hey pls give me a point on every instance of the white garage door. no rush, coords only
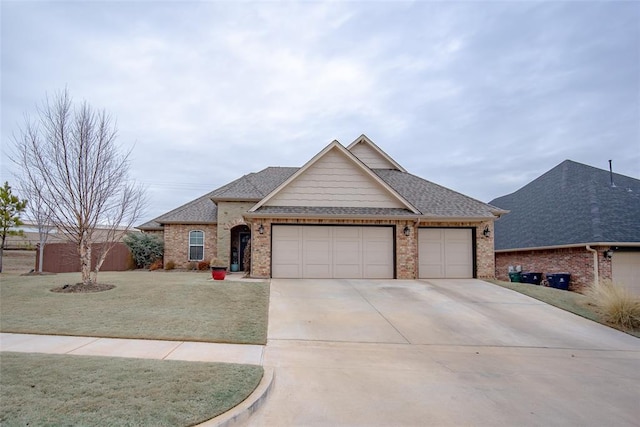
(625, 270)
(348, 252)
(445, 253)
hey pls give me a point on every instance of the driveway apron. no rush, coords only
(440, 352)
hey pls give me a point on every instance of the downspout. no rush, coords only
(596, 278)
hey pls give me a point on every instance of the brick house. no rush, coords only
(572, 219)
(349, 212)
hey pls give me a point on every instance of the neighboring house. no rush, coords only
(350, 212)
(572, 219)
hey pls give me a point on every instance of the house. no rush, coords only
(349, 212)
(574, 218)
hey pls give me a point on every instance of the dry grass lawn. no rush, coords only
(572, 302)
(177, 306)
(56, 390)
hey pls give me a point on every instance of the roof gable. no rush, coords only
(570, 204)
(372, 155)
(335, 178)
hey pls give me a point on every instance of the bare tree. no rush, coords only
(38, 211)
(69, 155)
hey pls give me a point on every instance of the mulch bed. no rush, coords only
(82, 288)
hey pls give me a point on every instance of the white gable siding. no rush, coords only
(371, 157)
(335, 181)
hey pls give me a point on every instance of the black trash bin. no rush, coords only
(559, 280)
(532, 278)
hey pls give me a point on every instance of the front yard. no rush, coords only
(180, 306)
(44, 389)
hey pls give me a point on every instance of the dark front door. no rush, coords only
(244, 240)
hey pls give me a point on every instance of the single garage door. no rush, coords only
(445, 253)
(625, 270)
(349, 252)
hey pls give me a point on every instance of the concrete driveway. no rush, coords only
(440, 352)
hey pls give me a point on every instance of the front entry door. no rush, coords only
(244, 241)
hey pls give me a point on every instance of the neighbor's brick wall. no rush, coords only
(576, 261)
(176, 242)
(229, 216)
(406, 246)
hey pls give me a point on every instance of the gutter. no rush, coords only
(596, 278)
(573, 245)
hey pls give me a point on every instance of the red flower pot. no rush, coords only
(218, 273)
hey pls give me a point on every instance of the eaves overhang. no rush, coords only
(572, 245)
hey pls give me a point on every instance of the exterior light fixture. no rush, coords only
(261, 229)
(486, 232)
(608, 254)
(406, 230)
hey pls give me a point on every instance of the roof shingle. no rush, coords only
(571, 204)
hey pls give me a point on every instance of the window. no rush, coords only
(196, 245)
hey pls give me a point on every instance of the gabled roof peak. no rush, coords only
(372, 155)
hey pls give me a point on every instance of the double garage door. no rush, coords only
(340, 252)
(300, 251)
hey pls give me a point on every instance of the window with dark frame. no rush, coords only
(196, 245)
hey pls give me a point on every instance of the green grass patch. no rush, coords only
(572, 302)
(48, 390)
(181, 306)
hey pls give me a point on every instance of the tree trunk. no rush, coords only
(40, 256)
(2, 252)
(85, 261)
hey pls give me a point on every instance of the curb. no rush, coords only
(243, 411)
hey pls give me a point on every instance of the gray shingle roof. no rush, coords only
(432, 199)
(429, 198)
(570, 204)
(254, 186)
(199, 211)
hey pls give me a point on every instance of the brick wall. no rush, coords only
(229, 216)
(406, 246)
(577, 261)
(176, 242)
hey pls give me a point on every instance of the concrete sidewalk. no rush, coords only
(143, 349)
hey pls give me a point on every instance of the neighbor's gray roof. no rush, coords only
(150, 225)
(571, 204)
(430, 199)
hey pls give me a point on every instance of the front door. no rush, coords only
(244, 240)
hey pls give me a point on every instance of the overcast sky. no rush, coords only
(481, 97)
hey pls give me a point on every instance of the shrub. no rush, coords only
(203, 265)
(217, 262)
(615, 304)
(192, 265)
(170, 265)
(145, 248)
(156, 265)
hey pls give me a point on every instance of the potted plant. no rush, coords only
(218, 269)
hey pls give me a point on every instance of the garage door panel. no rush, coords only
(347, 257)
(287, 252)
(625, 270)
(378, 252)
(445, 253)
